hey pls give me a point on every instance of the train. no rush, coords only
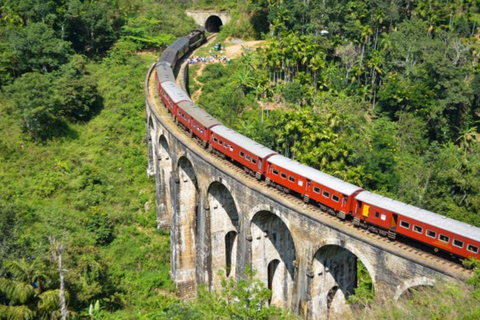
(344, 200)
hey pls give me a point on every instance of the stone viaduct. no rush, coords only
(223, 220)
(211, 20)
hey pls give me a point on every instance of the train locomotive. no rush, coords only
(366, 209)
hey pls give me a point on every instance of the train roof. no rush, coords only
(314, 175)
(196, 31)
(164, 72)
(174, 92)
(179, 44)
(425, 216)
(169, 56)
(200, 115)
(242, 141)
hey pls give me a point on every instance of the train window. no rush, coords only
(326, 194)
(215, 139)
(443, 238)
(225, 145)
(220, 142)
(345, 199)
(335, 198)
(377, 215)
(300, 183)
(201, 131)
(275, 172)
(254, 161)
(242, 154)
(458, 243)
(417, 229)
(472, 248)
(316, 190)
(405, 224)
(431, 234)
(292, 179)
(231, 148)
(383, 217)
(247, 157)
(283, 175)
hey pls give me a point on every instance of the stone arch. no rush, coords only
(273, 277)
(184, 229)
(410, 284)
(164, 199)
(224, 230)
(272, 240)
(213, 23)
(333, 279)
(151, 146)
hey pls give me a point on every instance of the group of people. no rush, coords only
(209, 59)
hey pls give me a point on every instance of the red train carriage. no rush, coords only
(392, 217)
(250, 154)
(332, 194)
(196, 120)
(171, 95)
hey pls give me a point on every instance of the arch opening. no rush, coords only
(151, 147)
(410, 286)
(273, 256)
(330, 298)
(229, 249)
(164, 199)
(224, 228)
(185, 229)
(213, 24)
(410, 293)
(272, 268)
(337, 273)
(164, 152)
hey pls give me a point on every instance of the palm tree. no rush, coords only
(25, 291)
(245, 80)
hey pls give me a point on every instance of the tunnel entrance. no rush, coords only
(213, 24)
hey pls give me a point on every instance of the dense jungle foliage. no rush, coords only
(73, 158)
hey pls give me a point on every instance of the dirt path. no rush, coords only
(232, 51)
(196, 95)
(235, 50)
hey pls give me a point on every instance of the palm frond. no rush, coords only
(16, 313)
(16, 291)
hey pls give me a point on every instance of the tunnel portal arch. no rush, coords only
(213, 23)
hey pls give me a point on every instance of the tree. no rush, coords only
(79, 97)
(36, 105)
(38, 48)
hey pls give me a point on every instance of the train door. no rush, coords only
(393, 221)
(344, 205)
